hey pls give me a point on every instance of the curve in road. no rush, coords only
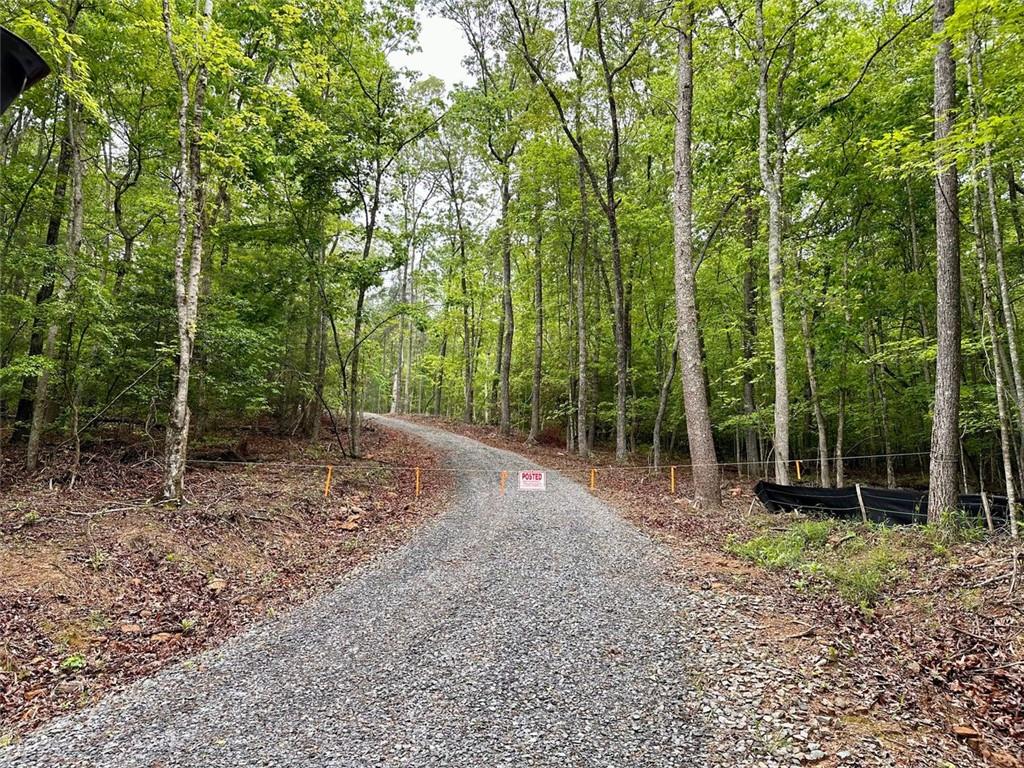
(530, 629)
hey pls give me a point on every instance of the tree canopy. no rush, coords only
(361, 237)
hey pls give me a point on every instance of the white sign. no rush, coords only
(531, 480)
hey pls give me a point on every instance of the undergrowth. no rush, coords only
(859, 561)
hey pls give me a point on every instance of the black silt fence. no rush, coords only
(882, 505)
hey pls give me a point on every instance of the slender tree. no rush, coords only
(707, 488)
(945, 440)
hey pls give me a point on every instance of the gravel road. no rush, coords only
(530, 629)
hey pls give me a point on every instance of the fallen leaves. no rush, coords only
(351, 523)
(176, 580)
(966, 732)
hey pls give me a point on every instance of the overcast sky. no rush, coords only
(443, 48)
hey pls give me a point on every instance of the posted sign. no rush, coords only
(531, 480)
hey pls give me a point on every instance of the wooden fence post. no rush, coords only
(860, 500)
(327, 482)
(988, 511)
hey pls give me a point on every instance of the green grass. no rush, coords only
(786, 549)
(858, 561)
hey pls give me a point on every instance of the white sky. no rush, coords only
(442, 49)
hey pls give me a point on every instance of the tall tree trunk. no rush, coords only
(570, 375)
(840, 435)
(945, 445)
(439, 382)
(396, 382)
(582, 383)
(494, 401)
(467, 340)
(771, 179)
(413, 332)
(819, 415)
(506, 303)
(538, 334)
(353, 375)
(619, 328)
(707, 486)
(191, 200)
(989, 318)
(753, 456)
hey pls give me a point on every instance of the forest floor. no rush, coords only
(98, 586)
(908, 639)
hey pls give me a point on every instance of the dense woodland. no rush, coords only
(797, 221)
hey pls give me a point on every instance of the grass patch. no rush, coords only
(786, 549)
(858, 561)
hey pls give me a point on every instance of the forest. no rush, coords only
(750, 232)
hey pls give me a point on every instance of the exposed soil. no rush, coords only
(98, 586)
(939, 659)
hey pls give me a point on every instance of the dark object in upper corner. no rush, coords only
(20, 68)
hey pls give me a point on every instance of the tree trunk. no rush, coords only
(396, 382)
(191, 199)
(494, 401)
(353, 375)
(819, 415)
(538, 335)
(506, 303)
(840, 434)
(749, 326)
(707, 486)
(945, 446)
(467, 341)
(582, 436)
(771, 179)
(1005, 430)
(439, 382)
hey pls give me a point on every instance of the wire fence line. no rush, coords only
(666, 467)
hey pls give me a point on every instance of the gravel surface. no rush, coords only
(531, 629)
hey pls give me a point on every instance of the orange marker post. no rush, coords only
(672, 475)
(327, 482)
(501, 480)
(593, 478)
(798, 469)
(417, 482)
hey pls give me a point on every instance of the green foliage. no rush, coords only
(73, 663)
(784, 550)
(858, 561)
(333, 177)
